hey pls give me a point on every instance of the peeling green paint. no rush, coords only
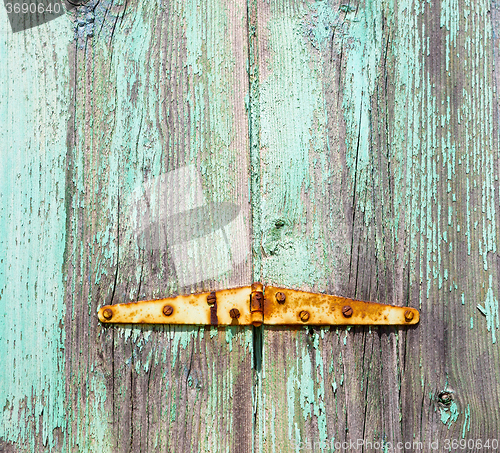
(416, 97)
(466, 424)
(490, 310)
(364, 52)
(295, 148)
(324, 19)
(34, 81)
(449, 415)
(288, 141)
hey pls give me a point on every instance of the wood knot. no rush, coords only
(445, 397)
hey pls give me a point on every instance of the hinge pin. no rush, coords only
(257, 304)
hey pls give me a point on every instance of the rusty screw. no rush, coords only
(107, 313)
(347, 311)
(304, 316)
(409, 315)
(280, 297)
(168, 310)
(211, 298)
(234, 313)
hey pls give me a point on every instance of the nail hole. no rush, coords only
(279, 224)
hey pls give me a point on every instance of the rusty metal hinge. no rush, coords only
(254, 305)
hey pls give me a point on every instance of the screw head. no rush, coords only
(347, 311)
(304, 315)
(234, 313)
(211, 298)
(280, 297)
(409, 315)
(168, 310)
(107, 313)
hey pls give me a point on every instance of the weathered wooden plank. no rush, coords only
(125, 178)
(34, 109)
(159, 142)
(379, 181)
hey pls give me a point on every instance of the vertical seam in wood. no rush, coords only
(255, 195)
(254, 139)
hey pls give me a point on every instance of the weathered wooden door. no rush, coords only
(156, 148)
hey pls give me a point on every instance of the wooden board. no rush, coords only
(125, 178)
(379, 181)
(365, 136)
(34, 110)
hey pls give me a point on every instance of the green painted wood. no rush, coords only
(379, 180)
(128, 136)
(34, 110)
(365, 135)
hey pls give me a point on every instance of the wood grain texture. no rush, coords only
(162, 92)
(379, 181)
(34, 109)
(365, 134)
(139, 192)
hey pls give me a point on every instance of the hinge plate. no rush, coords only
(255, 305)
(301, 307)
(196, 309)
